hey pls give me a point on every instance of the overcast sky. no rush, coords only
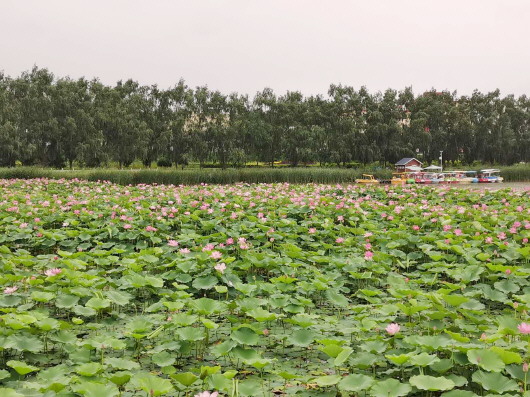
(246, 45)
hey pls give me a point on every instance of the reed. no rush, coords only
(518, 173)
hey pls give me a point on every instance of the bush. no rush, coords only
(164, 162)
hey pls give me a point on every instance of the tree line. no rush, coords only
(59, 122)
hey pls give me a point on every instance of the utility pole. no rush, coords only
(441, 161)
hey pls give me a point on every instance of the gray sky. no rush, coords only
(246, 45)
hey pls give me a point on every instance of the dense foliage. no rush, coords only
(250, 290)
(59, 122)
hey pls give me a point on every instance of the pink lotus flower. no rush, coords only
(151, 229)
(312, 230)
(53, 272)
(229, 241)
(216, 255)
(207, 394)
(173, 243)
(524, 328)
(368, 255)
(392, 328)
(220, 267)
(489, 240)
(415, 227)
(10, 290)
(127, 226)
(184, 251)
(525, 367)
(208, 247)
(458, 232)
(339, 240)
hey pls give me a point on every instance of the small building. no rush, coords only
(404, 164)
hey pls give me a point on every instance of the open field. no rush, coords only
(262, 290)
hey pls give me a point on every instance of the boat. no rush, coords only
(399, 178)
(452, 177)
(490, 175)
(429, 178)
(367, 179)
(470, 177)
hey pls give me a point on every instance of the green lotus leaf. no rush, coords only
(21, 367)
(398, 359)
(459, 393)
(287, 375)
(336, 298)
(486, 359)
(245, 336)
(261, 315)
(301, 337)
(98, 303)
(163, 359)
(508, 357)
(120, 298)
(66, 301)
(89, 369)
(120, 378)
(185, 378)
(431, 383)
(184, 319)
(356, 382)
(47, 324)
(4, 374)
(494, 381)
(259, 363)
(423, 359)
(190, 334)
(92, 389)
(442, 366)
(390, 388)
(342, 356)
(328, 380)
(84, 311)
(209, 324)
(248, 387)
(41, 296)
(207, 282)
(153, 385)
(121, 363)
(8, 392)
(23, 342)
(218, 382)
(206, 306)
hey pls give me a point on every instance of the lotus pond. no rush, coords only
(262, 290)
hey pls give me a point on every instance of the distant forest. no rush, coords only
(61, 122)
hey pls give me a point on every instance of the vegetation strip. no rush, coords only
(519, 173)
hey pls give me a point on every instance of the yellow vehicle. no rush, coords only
(367, 179)
(399, 178)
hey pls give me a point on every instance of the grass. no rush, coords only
(518, 173)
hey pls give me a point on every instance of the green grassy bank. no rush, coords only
(520, 173)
